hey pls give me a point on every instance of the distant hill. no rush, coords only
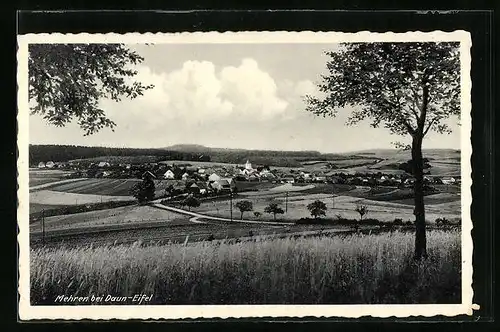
(188, 148)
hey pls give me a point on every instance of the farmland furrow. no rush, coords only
(55, 183)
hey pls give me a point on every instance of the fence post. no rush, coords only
(286, 202)
(231, 204)
(43, 226)
(333, 195)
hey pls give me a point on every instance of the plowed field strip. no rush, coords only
(75, 187)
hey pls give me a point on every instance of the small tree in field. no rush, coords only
(362, 210)
(244, 206)
(409, 88)
(317, 208)
(143, 191)
(191, 201)
(274, 209)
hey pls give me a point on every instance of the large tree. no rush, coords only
(66, 82)
(244, 206)
(409, 88)
(143, 191)
(317, 208)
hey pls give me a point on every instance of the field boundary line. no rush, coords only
(99, 229)
(55, 183)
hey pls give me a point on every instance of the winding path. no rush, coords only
(197, 216)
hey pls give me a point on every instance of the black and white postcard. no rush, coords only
(244, 174)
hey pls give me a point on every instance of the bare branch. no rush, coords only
(416, 104)
(437, 118)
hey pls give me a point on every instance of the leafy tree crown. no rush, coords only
(408, 88)
(66, 82)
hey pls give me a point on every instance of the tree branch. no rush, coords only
(415, 103)
(403, 120)
(430, 124)
(408, 127)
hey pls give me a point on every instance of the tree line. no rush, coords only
(39, 153)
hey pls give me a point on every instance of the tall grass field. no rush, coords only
(352, 269)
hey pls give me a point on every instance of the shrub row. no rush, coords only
(368, 222)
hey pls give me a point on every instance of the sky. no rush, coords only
(247, 96)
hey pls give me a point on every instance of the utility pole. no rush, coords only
(43, 226)
(333, 195)
(286, 202)
(231, 204)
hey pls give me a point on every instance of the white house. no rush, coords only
(214, 177)
(169, 175)
(248, 166)
(448, 180)
(50, 164)
(41, 164)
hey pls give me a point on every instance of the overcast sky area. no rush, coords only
(230, 96)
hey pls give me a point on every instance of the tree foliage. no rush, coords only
(143, 191)
(244, 206)
(273, 209)
(408, 165)
(317, 208)
(67, 81)
(406, 87)
(191, 201)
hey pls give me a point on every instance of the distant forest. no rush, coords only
(39, 153)
(61, 153)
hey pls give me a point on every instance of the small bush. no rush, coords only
(442, 222)
(338, 221)
(398, 222)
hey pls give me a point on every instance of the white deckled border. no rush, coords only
(27, 312)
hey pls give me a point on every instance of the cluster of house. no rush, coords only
(222, 176)
(51, 164)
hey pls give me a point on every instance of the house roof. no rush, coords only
(202, 185)
(148, 173)
(223, 182)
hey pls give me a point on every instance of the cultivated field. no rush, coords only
(125, 215)
(352, 269)
(384, 203)
(343, 206)
(42, 176)
(51, 197)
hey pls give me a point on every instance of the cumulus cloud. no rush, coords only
(252, 90)
(198, 92)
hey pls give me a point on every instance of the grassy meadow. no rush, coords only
(350, 269)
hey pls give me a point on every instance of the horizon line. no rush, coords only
(244, 149)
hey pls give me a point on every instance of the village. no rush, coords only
(212, 178)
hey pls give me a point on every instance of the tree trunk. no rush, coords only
(419, 211)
